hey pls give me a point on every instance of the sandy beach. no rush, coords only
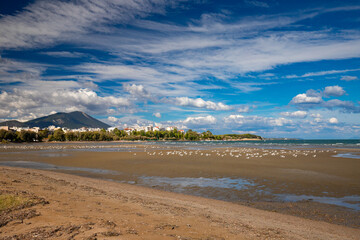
(71, 207)
(172, 192)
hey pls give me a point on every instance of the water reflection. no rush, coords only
(46, 166)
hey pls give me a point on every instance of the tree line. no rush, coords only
(115, 135)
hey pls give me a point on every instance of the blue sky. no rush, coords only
(273, 68)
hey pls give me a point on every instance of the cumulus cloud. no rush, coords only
(22, 103)
(251, 122)
(334, 91)
(157, 114)
(296, 114)
(137, 90)
(333, 120)
(112, 119)
(304, 98)
(349, 78)
(313, 99)
(200, 103)
(200, 121)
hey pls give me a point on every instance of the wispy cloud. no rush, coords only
(46, 22)
(349, 78)
(323, 73)
(257, 3)
(65, 54)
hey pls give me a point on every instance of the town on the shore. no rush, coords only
(139, 133)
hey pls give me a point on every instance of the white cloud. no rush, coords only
(200, 103)
(250, 86)
(312, 99)
(45, 22)
(296, 114)
(315, 115)
(257, 3)
(335, 91)
(333, 120)
(19, 71)
(304, 98)
(137, 90)
(212, 47)
(243, 109)
(157, 114)
(317, 120)
(322, 73)
(112, 119)
(65, 54)
(349, 78)
(199, 121)
(251, 122)
(23, 103)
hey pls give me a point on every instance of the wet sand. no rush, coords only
(73, 207)
(298, 182)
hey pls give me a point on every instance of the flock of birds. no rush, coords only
(237, 152)
(153, 150)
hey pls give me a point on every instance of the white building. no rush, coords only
(148, 128)
(110, 129)
(170, 128)
(128, 130)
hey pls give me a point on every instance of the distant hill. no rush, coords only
(70, 120)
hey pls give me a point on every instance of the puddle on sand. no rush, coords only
(347, 155)
(182, 184)
(185, 182)
(352, 202)
(46, 166)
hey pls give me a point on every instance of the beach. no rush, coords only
(169, 191)
(72, 207)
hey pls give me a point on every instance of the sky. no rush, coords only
(276, 68)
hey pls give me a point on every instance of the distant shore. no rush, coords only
(144, 141)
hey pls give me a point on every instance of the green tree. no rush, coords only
(191, 135)
(43, 134)
(58, 135)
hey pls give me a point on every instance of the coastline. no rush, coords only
(314, 183)
(82, 208)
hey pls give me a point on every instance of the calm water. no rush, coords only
(321, 143)
(194, 145)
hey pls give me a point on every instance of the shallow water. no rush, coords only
(46, 166)
(184, 182)
(347, 155)
(352, 202)
(218, 186)
(192, 145)
(196, 186)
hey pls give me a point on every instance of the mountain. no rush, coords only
(70, 120)
(13, 123)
